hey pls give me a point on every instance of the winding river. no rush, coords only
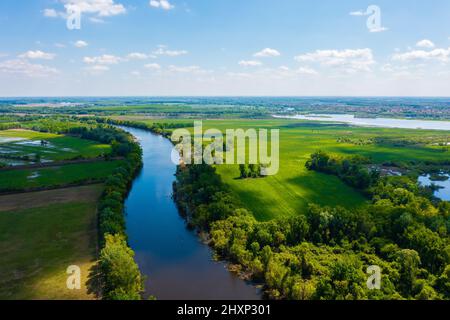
(177, 265)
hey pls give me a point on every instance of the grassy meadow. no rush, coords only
(56, 176)
(38, 241)
(294, 187)
(60, 147)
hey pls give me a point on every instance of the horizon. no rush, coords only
(225, 96)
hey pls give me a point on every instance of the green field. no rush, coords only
(293, 188)
(59, 147)
(37, 244)
(56, 176)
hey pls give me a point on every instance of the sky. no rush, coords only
(224, 48)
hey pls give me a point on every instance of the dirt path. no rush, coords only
(36, 199)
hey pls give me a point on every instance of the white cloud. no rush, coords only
(188, 69)
(183, 69)
(153, 66)
(59, 45)
(250, 63)
(37, 55)
(102, 8)
(358, 13)
(240, 75)
(96, 20)
(163, 51)
(80, 44)
(267, 52)
(425, 44)
(306, 71)
(97, 9)
(352, 60)
(51, 13)
(23, 67)
(441, 55)
(163, 4)
(102, 60)
(137, 56)
(97, 69)
(380, 29)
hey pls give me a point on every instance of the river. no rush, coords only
(374, 122)
(177, 264)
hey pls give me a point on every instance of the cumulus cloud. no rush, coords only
(80, 44)
(153, 66)
(51, 13)
(37, 55)
(102, 8)
(352, 60)
(163, 51)
(25, 68)
(267, 52)
(162, 4)
(306, 71)
(250, 63)
(425, 44)
(188, 69)
(137, 56)
(96, 20)
(98, 8)
(441, 55)
(379, 29)
(358, 13)
(97, 69)
(105, 59)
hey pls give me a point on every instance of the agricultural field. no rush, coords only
(41, 234)
(294, 187)
(17, 146)
(59, 176)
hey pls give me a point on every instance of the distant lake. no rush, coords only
(374, 122)
(444, 193)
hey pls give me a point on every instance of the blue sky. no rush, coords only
(225, 47)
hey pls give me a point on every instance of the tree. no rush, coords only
(122, 279)
(345, 281)
(409, 262)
